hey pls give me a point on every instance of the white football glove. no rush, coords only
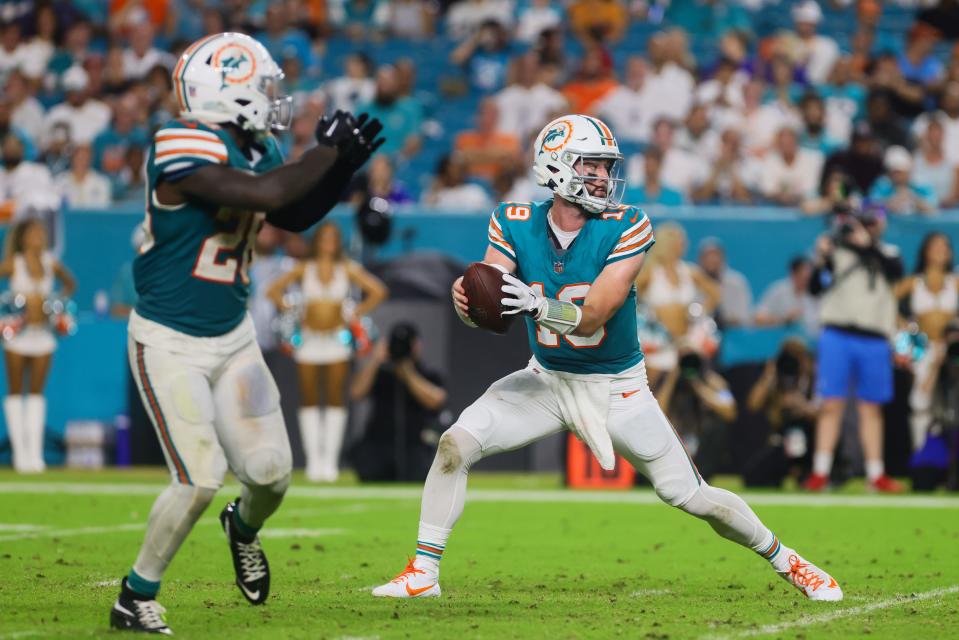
(519, 297)
(555, 315)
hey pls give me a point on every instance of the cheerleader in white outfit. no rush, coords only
(31, 270)
(323, 357)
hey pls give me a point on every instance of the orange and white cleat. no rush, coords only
(814, 583)
(412, 582)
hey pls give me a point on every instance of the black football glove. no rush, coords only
(354, 138)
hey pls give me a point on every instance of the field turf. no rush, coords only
(526, 561)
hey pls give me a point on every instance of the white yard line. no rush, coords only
(66, 533)
(823, 618)
(643, 496)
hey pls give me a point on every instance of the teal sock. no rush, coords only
(141, 586)
(247, 533)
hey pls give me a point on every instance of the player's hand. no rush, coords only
(460, 300)
(519, 297)
(336, 130)
(365, 142)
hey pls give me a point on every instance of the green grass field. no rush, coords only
(526, 561)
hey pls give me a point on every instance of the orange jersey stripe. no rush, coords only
(630, 247)
(188, 136)
(496, 238)
(203, 152)
(634, 233)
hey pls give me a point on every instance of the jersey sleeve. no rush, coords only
(636, 236)
(499, 235)
(180, 148)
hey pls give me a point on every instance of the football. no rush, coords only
(483, 283)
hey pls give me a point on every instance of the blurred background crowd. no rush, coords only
(802, 108)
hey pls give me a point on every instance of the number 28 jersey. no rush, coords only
(519, 231)
(192, 271)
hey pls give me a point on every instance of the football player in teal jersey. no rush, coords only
(569, 266)
(214, 175)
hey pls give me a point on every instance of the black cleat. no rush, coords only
(132, 612)
(249, 561)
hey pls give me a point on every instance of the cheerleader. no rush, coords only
(323, 357)
(31, 269)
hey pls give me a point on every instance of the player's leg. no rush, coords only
(514, 411)
(13, 407)
(335, 376)
(253, 435)
(35, 409)
(176, 393)
(310, 419)
(643, 435)
(833, 376)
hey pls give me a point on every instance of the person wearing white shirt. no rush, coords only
(760, 122)
(630, 106)
(819, 53)
(355, 87)
(789, 173)
(142, 56)
(670, 83)
(527, 104)
(535, 19)
(465, 18)
(21, 181)
(82, 187)
(27, 112)
(83, 117)
(680, 168)
(451, 191)
(932, 167)
(948, 115)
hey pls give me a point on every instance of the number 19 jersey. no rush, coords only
(192, 271)
(519, 231)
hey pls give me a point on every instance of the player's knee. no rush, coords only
(267, 467)
(257, 392)
(675, 492)
(448, 455)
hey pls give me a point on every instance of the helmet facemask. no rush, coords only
(578, 191)
(275, 106)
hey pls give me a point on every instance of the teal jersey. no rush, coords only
(519, 231)
(192, 271)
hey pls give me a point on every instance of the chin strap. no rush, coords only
(558, 316)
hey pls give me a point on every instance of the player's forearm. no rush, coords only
(592, 320)
(313, 206)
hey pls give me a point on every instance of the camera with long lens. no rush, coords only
(401, 342)
(787, 371)
(691, 366)
(850, 209)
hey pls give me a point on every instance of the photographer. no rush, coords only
(783, 394)
(406, 398)
(697, 398)
(854, 277)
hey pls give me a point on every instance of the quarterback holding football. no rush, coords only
(214, 175)
(569, 265)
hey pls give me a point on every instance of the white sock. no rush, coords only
(310, 436)
(13, 412)
(34, 419)
(874, 469)
(334, 421)
(430, 545)
(822, 463)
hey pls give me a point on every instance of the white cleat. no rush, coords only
(813, 582)
(410, 583)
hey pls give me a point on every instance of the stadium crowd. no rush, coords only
(796, 105)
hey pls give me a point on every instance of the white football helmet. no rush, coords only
(560, 149)
(230, 77)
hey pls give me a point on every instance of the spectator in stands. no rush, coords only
(451, 191)
(724, 90)
(758, 122)
(844, 100)
(669, 284)
(27, 112)
(74, 52)
(484, 57)
(598, 20)
(527, 103)
(906, 98)
(467, 17)
(592, 82)
(113, 79)
(789, 173)
(816, 53)
(83, 187)
(83, 116)
(12, 50)
(861, 162)
(56, 155)
(948, 116)
(885, 123)
(667, 80)
(485, 150)
(129, 185)
(680, 168)
(898, 191)
(141, 55)
(39, 50)
(731, 177)
(355, 87)
(125, 130)
(784, 87)
(628, 107)
(401, 116)
(409, 19)
(942, 16)
(20, 179)
(282, 39)
(788, 302)
(551, 50)
(652, 191)
(932, 167)
(395, 375)
(736, 297)
(379, 182)
(814, 135)
(917, 63)
(536, 18)
(697, 136)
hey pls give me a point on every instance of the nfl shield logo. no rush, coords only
(558, 267)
